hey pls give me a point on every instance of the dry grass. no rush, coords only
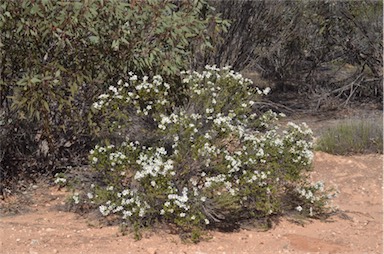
(353, 136)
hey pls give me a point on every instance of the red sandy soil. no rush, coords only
(357, 229)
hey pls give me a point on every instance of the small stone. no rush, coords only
(34, 187)
(18, 240)
(55, 251)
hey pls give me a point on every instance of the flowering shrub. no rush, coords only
(207, 162)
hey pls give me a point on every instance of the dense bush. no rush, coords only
(58, 56)
(209, 162)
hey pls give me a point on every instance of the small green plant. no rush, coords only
(353, 136)
(209, 162)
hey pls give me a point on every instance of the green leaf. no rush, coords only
(94, 39)
(115, 45)
(34, 9)
(46, 106)
(35, 80)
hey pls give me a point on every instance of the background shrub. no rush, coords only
(322, 50)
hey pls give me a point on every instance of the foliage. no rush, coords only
(209, 162)
(353, 136)
(58, 56)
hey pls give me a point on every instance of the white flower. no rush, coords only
(60, 180)
(113, 89)
(103, 210)
(141, 212)
(127, 214)
(299, 208)
(266, 90)
(75, 197)
(206, 221)
(118, 209)
(207, 136)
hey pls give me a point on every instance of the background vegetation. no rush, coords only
(327, 52)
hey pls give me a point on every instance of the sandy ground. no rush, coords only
(358, 229)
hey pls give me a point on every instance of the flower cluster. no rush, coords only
(60, 179)
(313, 198)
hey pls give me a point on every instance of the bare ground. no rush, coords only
(357, 228)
